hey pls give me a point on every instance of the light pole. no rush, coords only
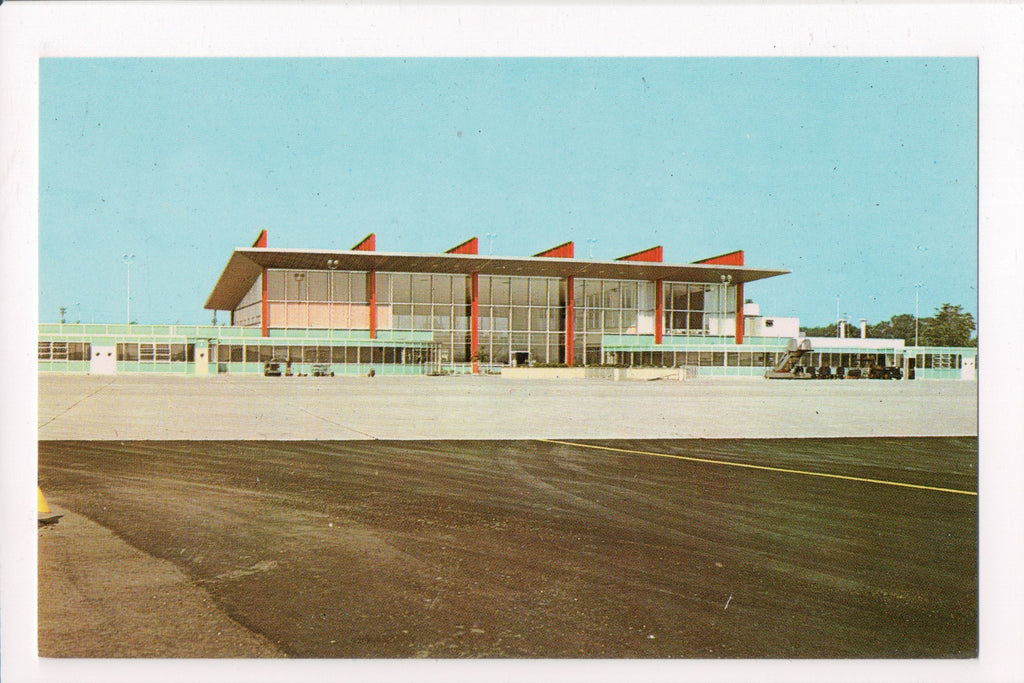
(490, 242)
(591, 241)
(332, 265)
(838, 323)
(128, 258)
(917, 306)
(722, 305)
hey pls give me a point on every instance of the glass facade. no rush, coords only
(521, 320)
(333, 354)
(250, 310)
(435, 303)
(620, 307)
(183, 349)
(317, 299)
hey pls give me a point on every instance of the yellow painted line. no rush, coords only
(762, 467)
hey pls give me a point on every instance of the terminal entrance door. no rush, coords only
(520, 358)
(103, 361)
(202, 357)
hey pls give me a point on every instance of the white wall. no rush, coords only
(771, 326)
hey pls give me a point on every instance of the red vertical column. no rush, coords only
(371, 289)
(369, 243)
(264, 306)
(570, 320)
(659, 310)
(474, 322)
(739, 313)
(261, 243)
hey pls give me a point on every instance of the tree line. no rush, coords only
(950, 326)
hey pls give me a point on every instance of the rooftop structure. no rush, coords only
(361, 310)
(549, 308)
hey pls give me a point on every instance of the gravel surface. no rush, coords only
(101, 597)
(524, 548)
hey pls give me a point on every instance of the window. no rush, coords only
(154, 352)
(63, 351)
(357, 288)
(461, 290)
(275, 285)
(629, 294)
(519, 319)
(339, 287)
(500, 289)
(421, 289)
(538, 320)
(684, 308)
(382, 288)
(316, 281)
(538, 292)
(127, 352)
(295, 285)
(401, 288)
(519, 291)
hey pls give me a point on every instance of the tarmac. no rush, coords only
(135, 407)
(781, 548)
(112, 410)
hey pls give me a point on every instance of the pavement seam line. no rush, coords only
(70, 407)
(763, 467)
(337, 424)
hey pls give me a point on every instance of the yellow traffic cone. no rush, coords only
(45, 517)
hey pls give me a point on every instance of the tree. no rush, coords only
(899, 326)
(826, 331)
(950, 326)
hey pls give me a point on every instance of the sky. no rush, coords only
(857, 174)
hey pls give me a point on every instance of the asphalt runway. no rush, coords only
(775, 548)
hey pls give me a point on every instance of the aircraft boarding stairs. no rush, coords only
(795, 350)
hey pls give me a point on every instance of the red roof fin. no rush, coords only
(652, 255)
(470, 246)
(261, 240)
(561, 251)
(368, 243)
(733, 258)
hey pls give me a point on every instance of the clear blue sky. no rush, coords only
(859, 175)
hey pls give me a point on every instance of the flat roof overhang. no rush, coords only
(246, 265)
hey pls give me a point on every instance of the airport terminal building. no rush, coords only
(357, 310)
